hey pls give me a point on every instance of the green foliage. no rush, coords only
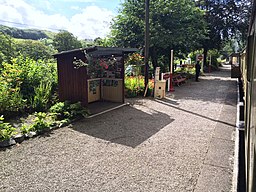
(186, 71)
(42, 96)
(105, 42)
(40, 122)
(33, 49)
(176, 24)
(64, 41)
(25, 129)
(67, 110)
(225, 19)
(76, 110)
(6, 130)
(214, 58)
(10, 95)
(35, 73)
(23, 33)
(135, 85)
(58, 109)
(27, 84)
(6, 48)
(28, 77)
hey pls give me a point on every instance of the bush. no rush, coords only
(35, 73)
(27, 85)
(67, 110)
(11, 99)
(40, 122)
(42, 96)
(135, 86)
(37, 122)
(6, 130)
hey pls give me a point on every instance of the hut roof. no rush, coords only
(99, 51)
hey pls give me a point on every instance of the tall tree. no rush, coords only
(64, 41)
(176, 24)
(225, 19)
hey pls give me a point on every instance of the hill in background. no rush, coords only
(33, 34)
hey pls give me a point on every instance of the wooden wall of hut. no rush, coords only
(72, 82)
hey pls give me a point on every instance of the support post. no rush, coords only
(171, 72)
(210, 63)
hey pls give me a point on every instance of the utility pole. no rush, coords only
(146, 42)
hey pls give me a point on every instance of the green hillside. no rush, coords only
(33, 34)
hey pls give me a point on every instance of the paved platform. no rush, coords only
(184, 142)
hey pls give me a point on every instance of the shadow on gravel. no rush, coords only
(127, 126)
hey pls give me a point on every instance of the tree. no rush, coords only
(225, 20)
(64, 41)
(176, 24)
(6, 48)
(105, 42)
(33, 49)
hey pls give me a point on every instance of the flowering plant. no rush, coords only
(135, 59)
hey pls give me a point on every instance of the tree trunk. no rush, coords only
(153, 56)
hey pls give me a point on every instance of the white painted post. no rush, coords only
(171, 72)
(171, 63)
(168, 85)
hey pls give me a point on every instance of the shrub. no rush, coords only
(35, 73)
(27, 85)
(6, 130)
(134, 85)
(42, 96)
(67, 110)
(11, 99)
(40, 123)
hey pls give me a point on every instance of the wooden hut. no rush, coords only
(92, 74)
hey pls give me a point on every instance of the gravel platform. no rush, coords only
(184, 142)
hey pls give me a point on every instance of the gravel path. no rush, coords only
(184, 142)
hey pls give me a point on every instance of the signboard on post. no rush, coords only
(166, 76)
(200, 57)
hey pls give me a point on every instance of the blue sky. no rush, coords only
(84, 18)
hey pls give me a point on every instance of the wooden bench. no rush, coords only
(177, 79)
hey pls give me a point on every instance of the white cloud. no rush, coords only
(91, 22)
